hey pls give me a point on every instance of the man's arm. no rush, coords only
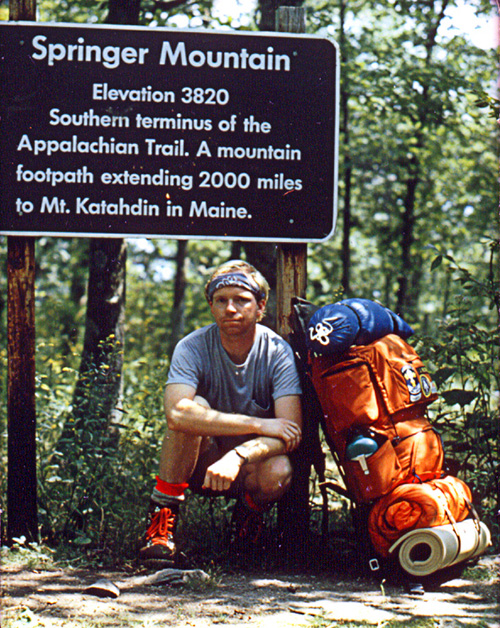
(185, 415)
(288, 408)
(222, 473)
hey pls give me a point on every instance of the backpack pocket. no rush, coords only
(348, 395)
(380, 475)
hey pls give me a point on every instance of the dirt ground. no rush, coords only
(55, 598)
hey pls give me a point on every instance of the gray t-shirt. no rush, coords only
(269, 372)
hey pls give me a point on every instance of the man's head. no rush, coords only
(239, 274)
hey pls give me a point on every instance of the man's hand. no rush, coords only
(285, 429)
(220, 475)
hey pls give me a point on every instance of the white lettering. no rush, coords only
(87, 118)
(54, 177)
(203, 149)
(110, 56)
(122, 208)
(102, 91)
(216, 59)
(202, 210)
(101, 146)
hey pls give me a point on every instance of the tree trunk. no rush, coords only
(407, 238)
(178, 308)
(123, 12)
(344, 104)
(407, 296)
(104, 333)
(98, 390)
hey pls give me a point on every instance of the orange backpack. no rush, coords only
(378, 392)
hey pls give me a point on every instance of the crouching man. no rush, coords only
(232, 403)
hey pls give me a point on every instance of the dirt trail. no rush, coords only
(256, 599)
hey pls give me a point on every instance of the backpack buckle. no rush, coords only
(374, 564)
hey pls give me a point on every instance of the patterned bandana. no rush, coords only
(239, 280)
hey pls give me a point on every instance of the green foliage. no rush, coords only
(61, 284)
(189, 14)
(421, 148)
(84, 11)
(463, 349)
(204, 531)
(27, 555)
(95, 495)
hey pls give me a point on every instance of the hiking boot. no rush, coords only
(159, 542)
(247, 523)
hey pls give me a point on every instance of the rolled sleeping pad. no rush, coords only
(424, 551)
(337, 326)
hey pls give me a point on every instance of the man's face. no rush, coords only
(235, 310)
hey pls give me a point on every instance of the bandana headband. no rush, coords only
(235, 280)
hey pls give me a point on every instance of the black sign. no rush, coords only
(123, 132)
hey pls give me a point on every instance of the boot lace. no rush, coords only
(162, 524)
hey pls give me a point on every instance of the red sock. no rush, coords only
(168, 488)
(252, 504)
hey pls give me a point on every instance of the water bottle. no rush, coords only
(360, 448)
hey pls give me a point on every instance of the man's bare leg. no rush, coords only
(178, 458)
(179, 455)
(180, 452)
(269, 480)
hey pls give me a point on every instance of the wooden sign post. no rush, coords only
(292, 258)
(21, 411)
(293, 509)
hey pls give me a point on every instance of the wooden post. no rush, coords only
(22, 10)
(293, 509)
(22, 517)
(291, 281)
(292, 258)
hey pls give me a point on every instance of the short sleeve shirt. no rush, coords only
(269, 372)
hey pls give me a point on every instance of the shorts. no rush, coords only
(217, 448)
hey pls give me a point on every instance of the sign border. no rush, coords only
(209, 32)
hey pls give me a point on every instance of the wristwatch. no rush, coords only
(242, 454)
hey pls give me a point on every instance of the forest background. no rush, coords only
(417, 231)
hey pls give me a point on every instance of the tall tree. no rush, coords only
(411, 125)
(98, 388)
(177, 317)
(424, 119)
(97, 398)
(347, 169)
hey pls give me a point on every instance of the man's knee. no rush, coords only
(273, 478)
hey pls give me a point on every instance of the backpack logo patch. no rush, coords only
(322, 330)
(426, 382)
(412, 382)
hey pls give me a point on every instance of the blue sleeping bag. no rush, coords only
(337, 326)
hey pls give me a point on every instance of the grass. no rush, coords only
(28, 556)
(22, 617)
(481, 573)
